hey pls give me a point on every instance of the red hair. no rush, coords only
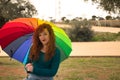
(37, 45)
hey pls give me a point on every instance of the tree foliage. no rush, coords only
(11, 9)
(80, 31)
(109, 5)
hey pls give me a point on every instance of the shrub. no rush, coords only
(80, 31)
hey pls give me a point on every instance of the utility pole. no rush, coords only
(58, 10)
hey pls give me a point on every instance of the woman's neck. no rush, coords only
(44, 49)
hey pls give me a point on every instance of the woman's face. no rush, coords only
(44, 37)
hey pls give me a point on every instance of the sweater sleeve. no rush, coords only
(49, 71)
(27, 61)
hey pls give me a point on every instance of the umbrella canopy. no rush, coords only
(16, 38)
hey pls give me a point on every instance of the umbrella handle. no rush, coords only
(27, 72)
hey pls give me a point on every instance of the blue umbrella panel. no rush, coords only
(11, 48)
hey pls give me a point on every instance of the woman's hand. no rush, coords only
(29, 67)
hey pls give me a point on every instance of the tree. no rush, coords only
(118, 17)
(94, 17)
(108, 5)
(11, 9)
(63, 19)
(108, 17)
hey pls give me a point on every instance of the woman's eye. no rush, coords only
(45, 33)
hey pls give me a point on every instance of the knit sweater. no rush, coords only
(46, 68)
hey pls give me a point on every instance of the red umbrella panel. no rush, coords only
(9, 34)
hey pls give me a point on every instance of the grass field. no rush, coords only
(80, 68)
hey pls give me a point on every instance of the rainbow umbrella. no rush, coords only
(16, 38)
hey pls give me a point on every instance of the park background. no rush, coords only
(95, 56)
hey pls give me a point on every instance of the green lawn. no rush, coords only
(81, 68)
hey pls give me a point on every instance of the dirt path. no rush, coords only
(106, 29)
(2, 53)
(92, 49)
(96, 49)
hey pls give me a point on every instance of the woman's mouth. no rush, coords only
(43, 40)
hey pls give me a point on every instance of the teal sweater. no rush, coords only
(46, 68)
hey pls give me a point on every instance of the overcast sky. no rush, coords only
(66, 8)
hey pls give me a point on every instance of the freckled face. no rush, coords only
(44, 37)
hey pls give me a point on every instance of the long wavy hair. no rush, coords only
(37, 45)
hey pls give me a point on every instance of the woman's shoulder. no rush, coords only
(57, 49)
(57, 53)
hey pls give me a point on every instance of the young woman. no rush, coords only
(44, 58)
